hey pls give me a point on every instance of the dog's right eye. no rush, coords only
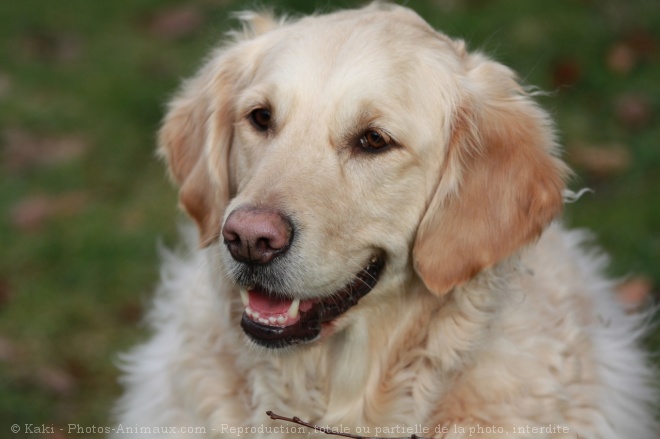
(375, 141)
(261, 119)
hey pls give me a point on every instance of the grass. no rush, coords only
(75, 275)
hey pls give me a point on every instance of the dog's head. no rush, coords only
(330, 155)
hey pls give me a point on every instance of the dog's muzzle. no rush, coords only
(273, 320)
(257, 238)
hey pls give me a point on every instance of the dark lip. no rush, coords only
(308, 327)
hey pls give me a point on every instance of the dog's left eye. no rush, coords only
(261, 118)
(374, 141)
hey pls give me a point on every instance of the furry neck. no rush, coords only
(381, 370)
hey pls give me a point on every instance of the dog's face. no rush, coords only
(329, 157)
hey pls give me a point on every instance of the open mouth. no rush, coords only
(272, 320)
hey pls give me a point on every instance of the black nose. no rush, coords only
(256, 235)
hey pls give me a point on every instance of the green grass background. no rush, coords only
(73, 285)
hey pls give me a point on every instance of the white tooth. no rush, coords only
(245, 298)
(281, 320)
(248, 311)
(255, 314)
(293, 309)
(272, 320)
(264, 321)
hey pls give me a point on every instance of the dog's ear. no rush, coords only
(198, 123)
(197, 130)
(501, 184)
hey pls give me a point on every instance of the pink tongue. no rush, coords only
(266, 306)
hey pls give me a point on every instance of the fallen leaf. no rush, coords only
(56, 380)
(643, 43)
(633, 111)
(621, 58)
(7, 350)
(51, 46)
(635, 291)
(601, 160)
(23, 150)
(77, 369)
(31, 213)
(131, 313)
(175, 22)
(566, 72)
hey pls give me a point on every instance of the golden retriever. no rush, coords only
(376, 208)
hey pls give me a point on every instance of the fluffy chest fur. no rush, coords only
(512, 348)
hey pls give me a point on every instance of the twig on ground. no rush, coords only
(297, 420)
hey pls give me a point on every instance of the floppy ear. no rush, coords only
(185, 141)
(197, 131)
(500, 185)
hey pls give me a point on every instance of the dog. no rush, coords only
(379, 247)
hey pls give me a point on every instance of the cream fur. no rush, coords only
(487, 314)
